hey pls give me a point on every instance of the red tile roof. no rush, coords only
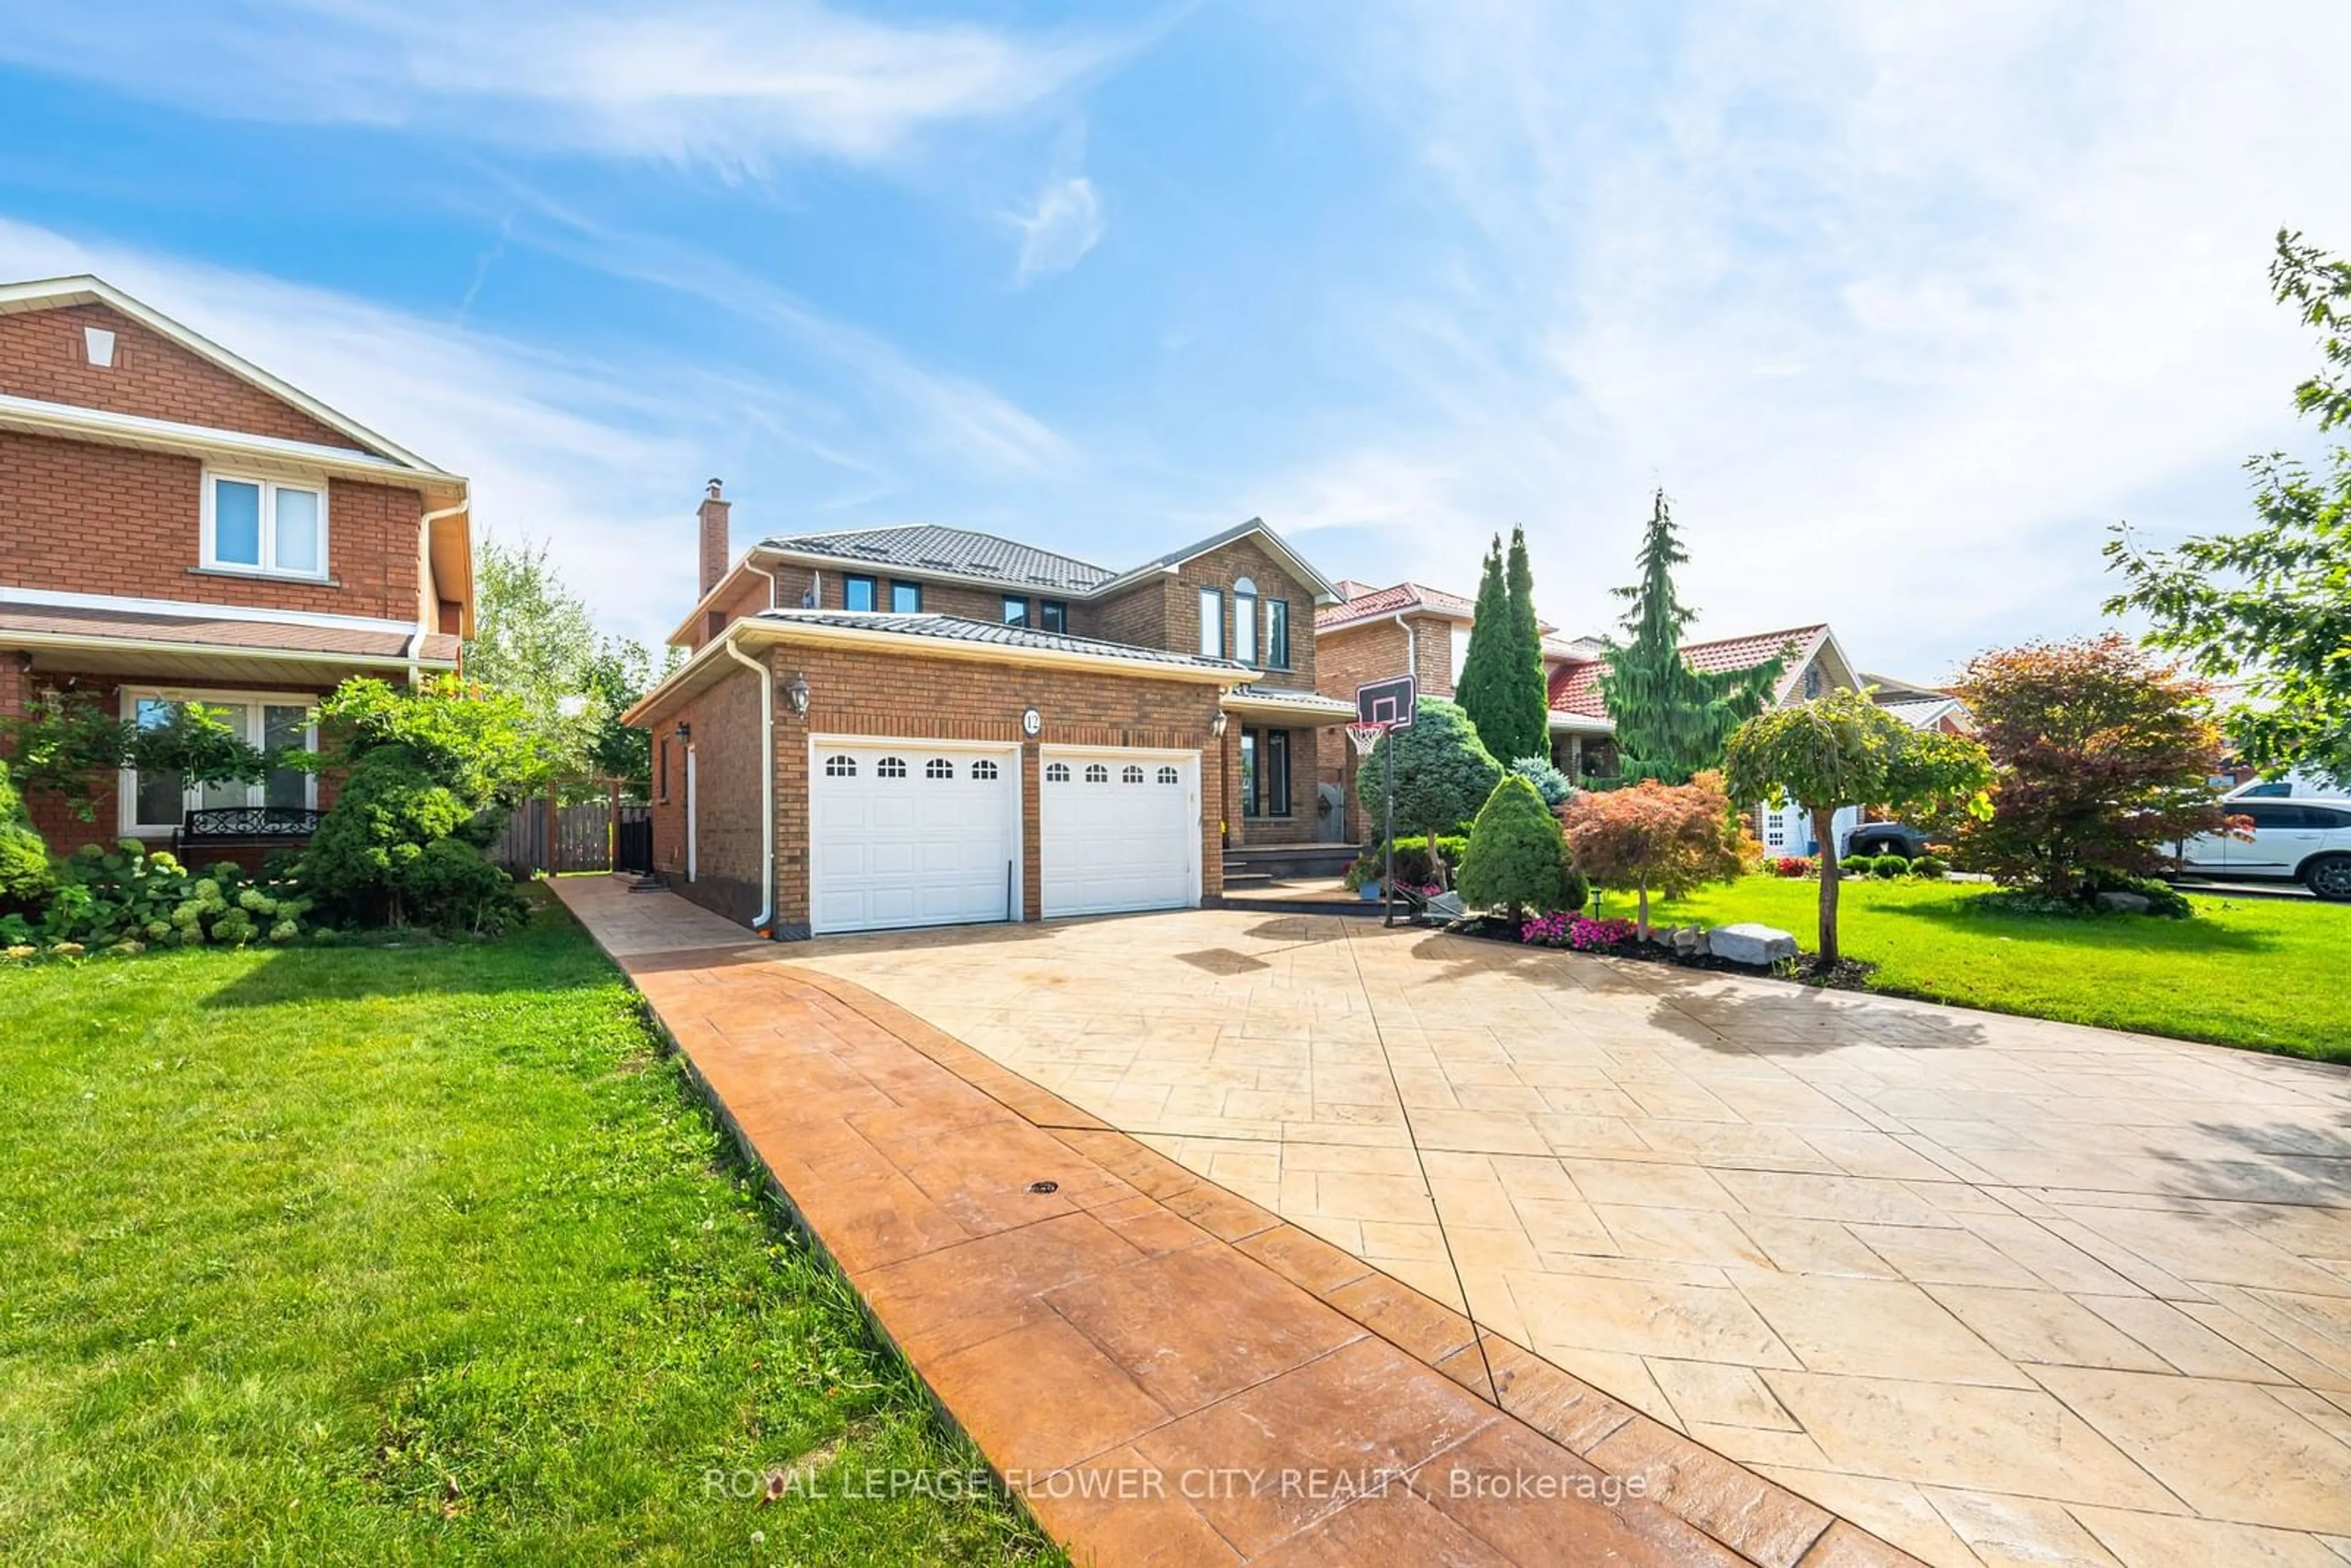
(1403, 596)
(1575, 684)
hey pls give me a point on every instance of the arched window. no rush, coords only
(841, 768)
(938, 767)
(1132, 775)
(1169, 775)
(1097, 774)
(1245, 620)
(891, 768)
(985, 769)
(1056, 773)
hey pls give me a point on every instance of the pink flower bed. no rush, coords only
(1568, 929)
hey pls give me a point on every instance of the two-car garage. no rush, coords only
(907, 833)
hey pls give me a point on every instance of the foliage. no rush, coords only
(1843, 749)
(1671, 720)
(1574, 887)
(1890, 867)
(534, 639)
(1932, 867)
(1443, 772)
(476, 742)
(2162, 898)
(24, 878)
(196, 742)
(1500, 684)
(377, 857)
(1549, 783)
(2102, 758)
(467, 1272)
(67, 745)
(125, 899)
(1564, 928)
(2271, 607)
(1653, 836)
(1953, 942)
(1515, 848)
(1794, 865)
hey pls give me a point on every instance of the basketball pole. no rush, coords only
(1387, 781)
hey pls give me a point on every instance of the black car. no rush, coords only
(1885, 839)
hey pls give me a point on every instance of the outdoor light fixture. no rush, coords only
(1217, 728)
(683, 731)
(795, 692)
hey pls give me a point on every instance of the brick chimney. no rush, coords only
(717, 550)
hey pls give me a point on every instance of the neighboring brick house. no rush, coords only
(921, 724)
(179, 525)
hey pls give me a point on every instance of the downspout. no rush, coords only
(763, 924)
(1411, 648)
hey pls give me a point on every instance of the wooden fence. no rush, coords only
(593, 835)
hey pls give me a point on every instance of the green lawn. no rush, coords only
(2270, 973)
(387, 1255)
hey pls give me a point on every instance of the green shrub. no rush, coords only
(1443, 772)
(1548, 782)
(1932, 868)
(1574, 887)
(2162, 898)
(451, 887)
(25, 875)
(109, 897)
(1890, 866)
(1856, 865)
(1513, 861)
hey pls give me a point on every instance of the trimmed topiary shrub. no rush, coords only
(25, 875)
(363, 864)
(1890, 866)
(1443, 773)
(1856, 865)
(1931, 868)
(1513, 863)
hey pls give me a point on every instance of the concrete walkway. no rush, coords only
(1166, 1372)
(1999, 1289)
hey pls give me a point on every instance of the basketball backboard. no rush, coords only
(1390, 702)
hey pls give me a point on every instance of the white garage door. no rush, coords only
(911, 833)
(1122, 831)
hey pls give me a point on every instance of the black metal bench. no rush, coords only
(220, 825)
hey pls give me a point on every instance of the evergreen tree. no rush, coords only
(1523, 714)
(1478, 684)
(1671, 720)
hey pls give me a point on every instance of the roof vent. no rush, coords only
(98, 344)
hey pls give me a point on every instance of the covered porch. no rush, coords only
(1285, 763)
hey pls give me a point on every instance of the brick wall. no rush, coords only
(867, 692)
(1373, 651)
(1220, 569)
(42, 356)
(85, 519)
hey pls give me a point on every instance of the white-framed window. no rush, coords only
(156, 803)
(985, 769)
(891, 768)
(938, 767)
(1097, 774)
(1212, 623)
(1245, 622)
(1056, 773)
(838, 767)
(252, 523)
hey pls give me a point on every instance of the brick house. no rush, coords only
(179, 525)
(921, 724)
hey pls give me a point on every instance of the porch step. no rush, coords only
(1303, 860)
(1241, 876)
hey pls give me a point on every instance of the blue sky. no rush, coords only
(1902, 304)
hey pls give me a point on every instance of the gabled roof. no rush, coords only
(1575, 684)
(50, 293)
(1297, 565)
(956, 552)
(1402, 599)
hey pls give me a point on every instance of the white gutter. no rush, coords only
(1412, 651)
(764, 922)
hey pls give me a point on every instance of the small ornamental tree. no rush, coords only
(2102, 758)
(199, 745)
(1843, 749)
(65, 744)
(1671, 720)
(1513, 863)
(1443, 774)
(1655, 837)
(1478, 684)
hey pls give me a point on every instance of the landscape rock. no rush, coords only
(1685, 939)
(1751, 942)
(1446, 906)
(2125, 903)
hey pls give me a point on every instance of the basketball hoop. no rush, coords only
(1366, 736)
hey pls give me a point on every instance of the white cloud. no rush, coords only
(1902, 306)
(734, 83)
(1065, 223)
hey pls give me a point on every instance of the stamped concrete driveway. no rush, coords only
(2002, 1291)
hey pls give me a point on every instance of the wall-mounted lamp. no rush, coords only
(683, 731)
(795, 693)
(1216, 728)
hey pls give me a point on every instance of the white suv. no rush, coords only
(2308, 841)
